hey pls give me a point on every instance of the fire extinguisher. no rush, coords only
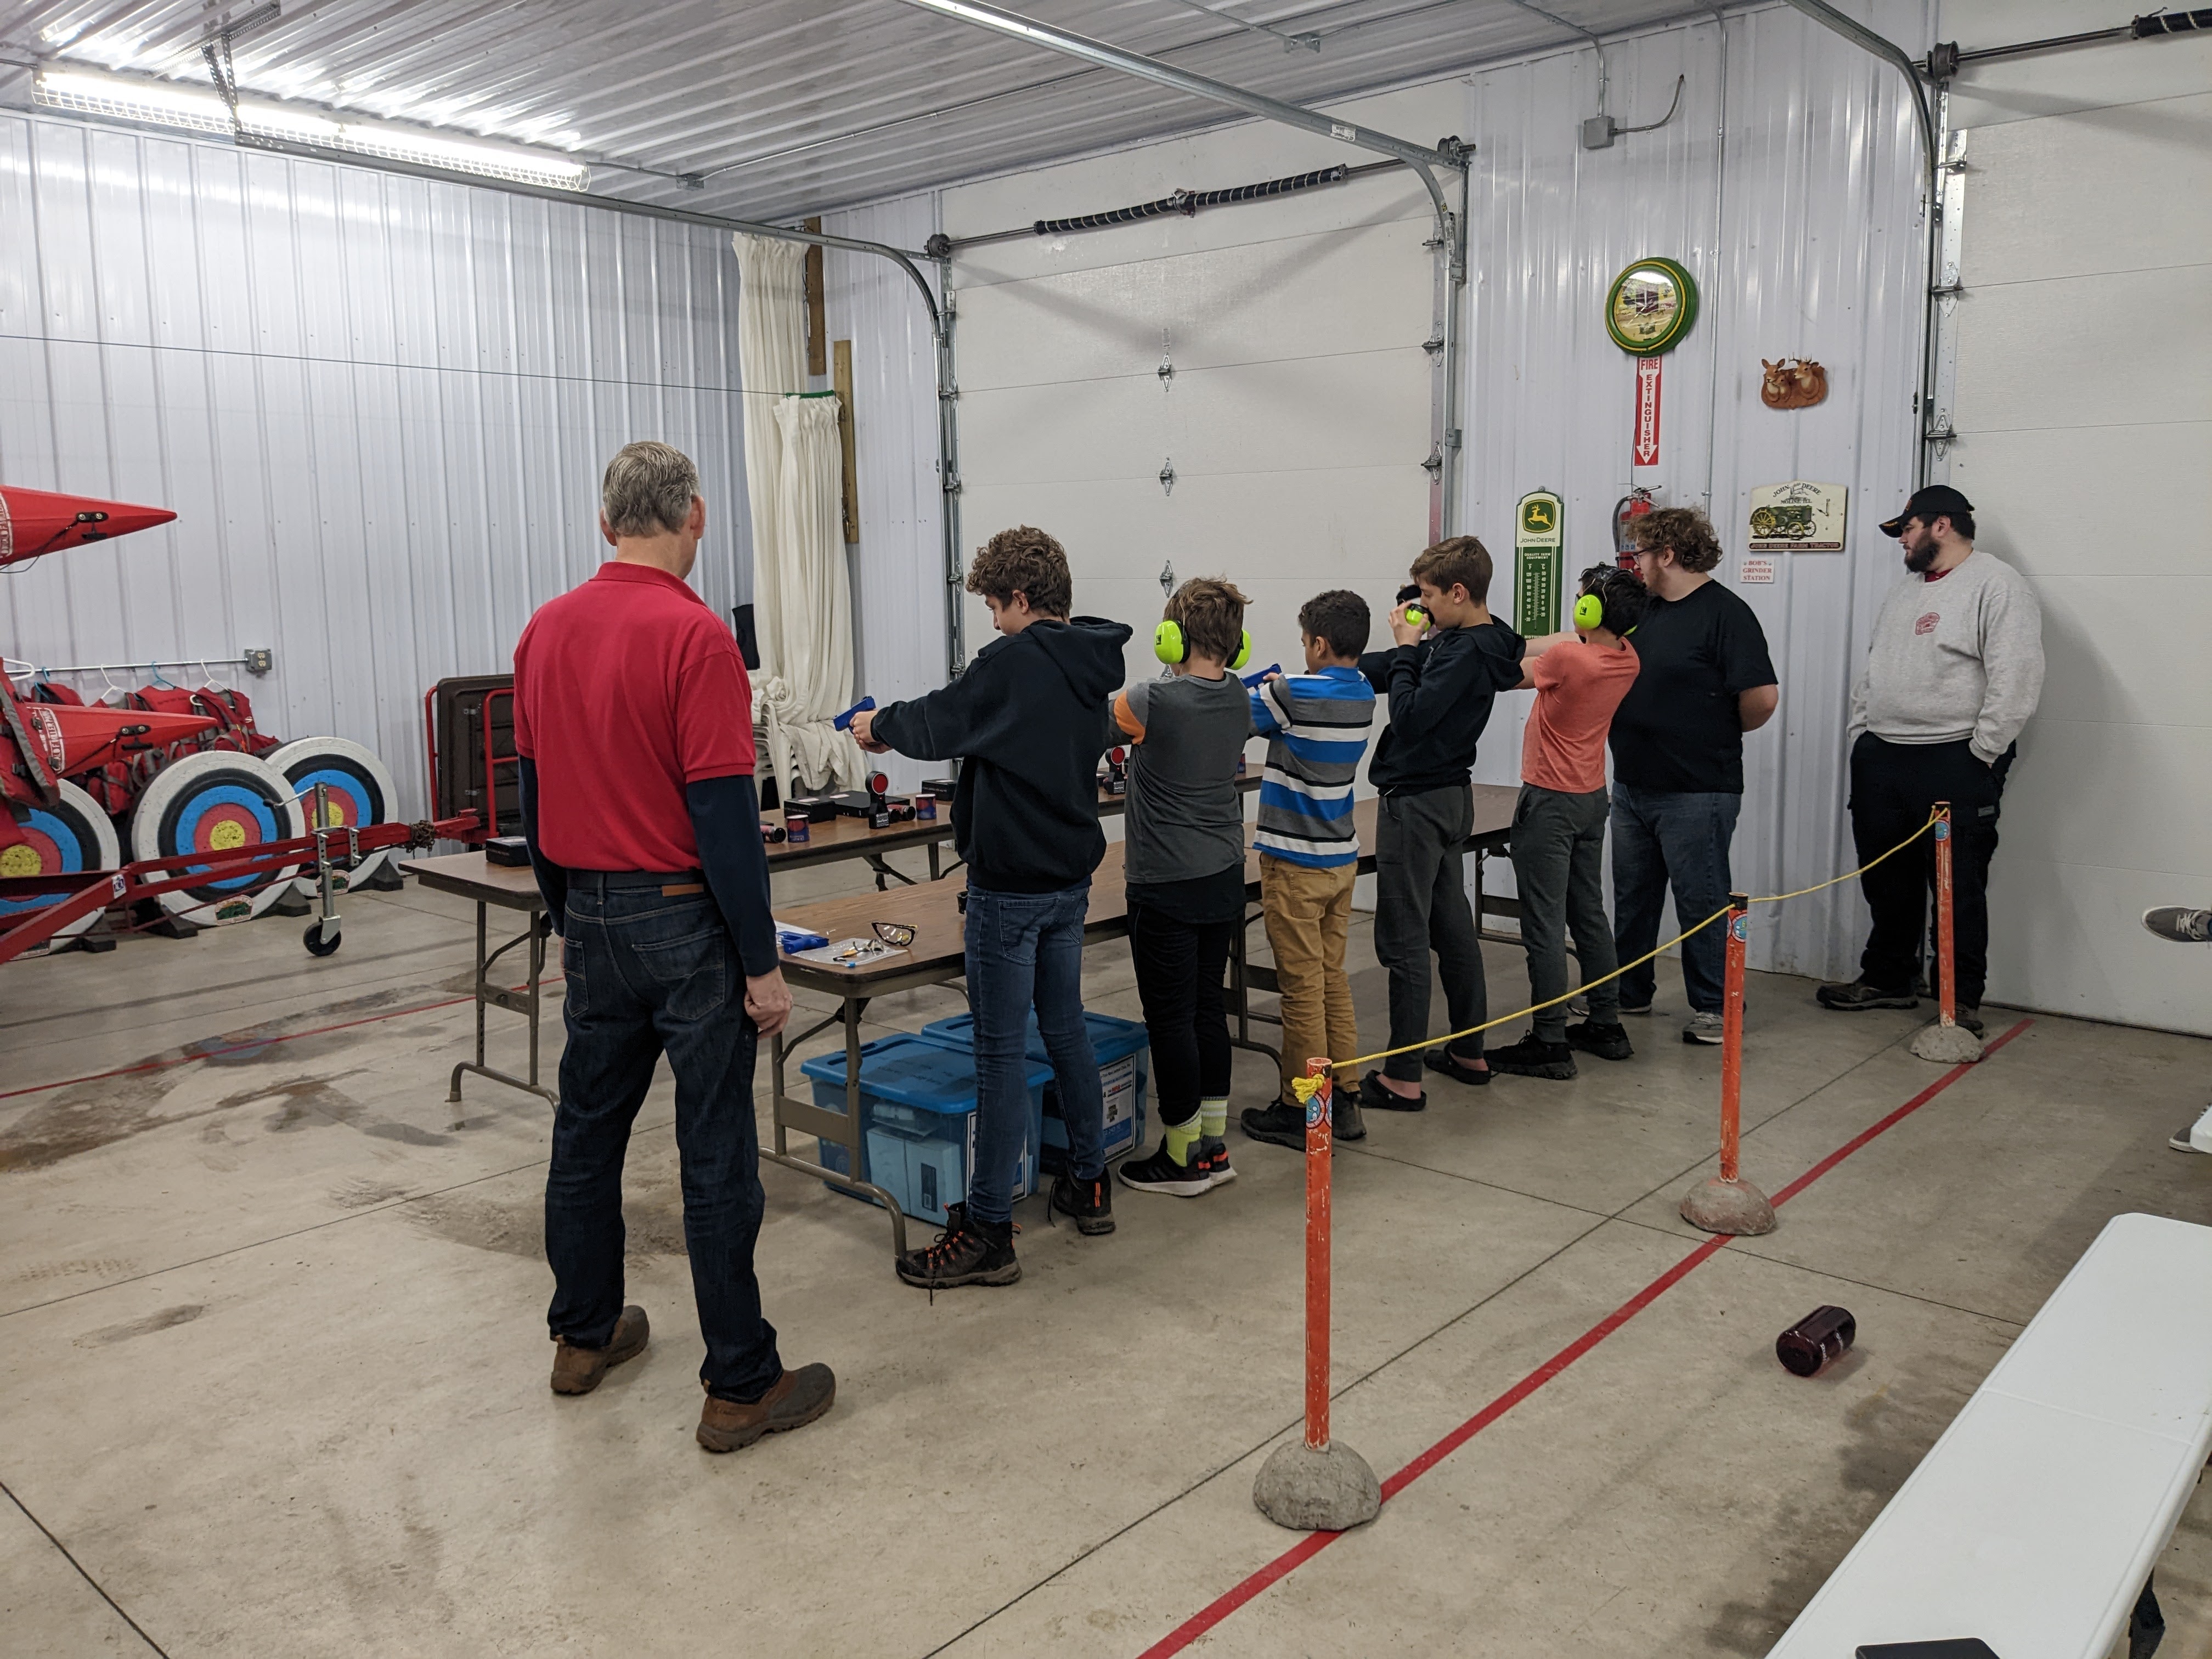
(1626, 512)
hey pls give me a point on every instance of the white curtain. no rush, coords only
(802, 600)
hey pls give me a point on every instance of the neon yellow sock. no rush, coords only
(1213, 1118)
(1180, 1139)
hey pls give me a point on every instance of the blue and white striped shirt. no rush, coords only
(1316, 726)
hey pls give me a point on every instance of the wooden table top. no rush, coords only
(933, 909)
(470, 875)
(845, 837)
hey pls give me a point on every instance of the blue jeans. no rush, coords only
(1661, 836)
(1024, 949)
(649, 974)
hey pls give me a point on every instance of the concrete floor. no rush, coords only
(272, 1360)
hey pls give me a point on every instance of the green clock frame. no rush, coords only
(1685, 284)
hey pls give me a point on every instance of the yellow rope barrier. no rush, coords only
(1307, 1087)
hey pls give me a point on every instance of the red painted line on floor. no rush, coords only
(1314, 1543)
(246, 1045)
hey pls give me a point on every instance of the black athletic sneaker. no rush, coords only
(965, 1253)
(1849, 996)
(1455, 1067)
(1345, 1121)
(1531, 1057)
(1605, 1042)
(2179, 923)
(1090, 1202)
(1279, 1123)
(1158, 1173)
(1374, 1098)
(1213, 1156)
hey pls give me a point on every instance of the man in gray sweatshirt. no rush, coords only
(1954, 671)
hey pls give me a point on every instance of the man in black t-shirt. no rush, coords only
(1678, 758)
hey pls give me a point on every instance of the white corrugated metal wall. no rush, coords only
(1805, 231)
(1816, 251)
(898, 588)
(379, 407)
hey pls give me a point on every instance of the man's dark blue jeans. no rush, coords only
(1025, 950)
(650, 973)
(1681, 836)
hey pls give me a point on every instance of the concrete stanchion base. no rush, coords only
(1947, 1045)
(1327, 1490)
(1735, 1207)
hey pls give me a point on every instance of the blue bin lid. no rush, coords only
(1111, 1039)
(913, 1071)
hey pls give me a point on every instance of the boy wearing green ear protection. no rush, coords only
(1558, 823)
(1185, 864)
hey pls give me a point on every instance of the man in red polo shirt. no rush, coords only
(633, 718)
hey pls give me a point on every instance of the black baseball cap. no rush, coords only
(1936, 501)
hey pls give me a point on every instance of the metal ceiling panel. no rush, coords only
(782, 108)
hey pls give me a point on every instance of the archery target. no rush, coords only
(71, 836)
(217, 800)
(361, 793)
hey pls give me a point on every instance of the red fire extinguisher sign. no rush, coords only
(1645, 452)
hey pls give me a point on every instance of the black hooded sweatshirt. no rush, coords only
(1028, 716)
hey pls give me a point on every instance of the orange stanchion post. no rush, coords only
(1316, 1484)
(1946, 1042)
(1727, 1203)
(1947, 1002)
(1321, 1151)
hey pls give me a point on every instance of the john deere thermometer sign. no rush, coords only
(1650, 307)
(1647, 310)
(1539, 532)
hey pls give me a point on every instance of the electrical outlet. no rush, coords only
(260, 662)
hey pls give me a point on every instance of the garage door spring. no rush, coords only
(1187, 201)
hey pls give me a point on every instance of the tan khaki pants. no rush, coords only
(1309, 913)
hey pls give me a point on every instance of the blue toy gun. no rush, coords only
(1255, 679)
(844, 721)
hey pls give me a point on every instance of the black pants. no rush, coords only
(1893, 787)
(649, 974)
(1180, 968)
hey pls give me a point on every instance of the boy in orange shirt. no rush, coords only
(1558, 823)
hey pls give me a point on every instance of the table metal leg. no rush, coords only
(1241, 988)
(876, 863)
(844, 1129)
(527, 1003)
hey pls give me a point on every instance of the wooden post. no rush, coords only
(841, 379)
(817, 361)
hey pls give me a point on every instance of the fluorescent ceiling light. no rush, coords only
(168, 103)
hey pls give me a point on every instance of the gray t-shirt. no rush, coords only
(1185, 817)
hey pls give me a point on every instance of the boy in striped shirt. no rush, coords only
(1316, 725)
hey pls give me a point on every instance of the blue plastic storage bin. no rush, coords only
(1125, 1068)
(918, 1119)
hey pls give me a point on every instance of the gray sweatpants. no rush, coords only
(1420, 905)
(1558, 852)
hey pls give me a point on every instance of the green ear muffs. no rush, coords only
(1589, 611)
(1170, 645)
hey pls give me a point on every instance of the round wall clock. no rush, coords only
(1650, 307)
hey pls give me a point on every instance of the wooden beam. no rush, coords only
(843, 380)
(816, 322)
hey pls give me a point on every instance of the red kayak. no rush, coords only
(36, 521)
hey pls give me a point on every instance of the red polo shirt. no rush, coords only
(626, 689)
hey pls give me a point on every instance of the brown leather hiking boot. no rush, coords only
(578, 1370)
(797, 1398)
